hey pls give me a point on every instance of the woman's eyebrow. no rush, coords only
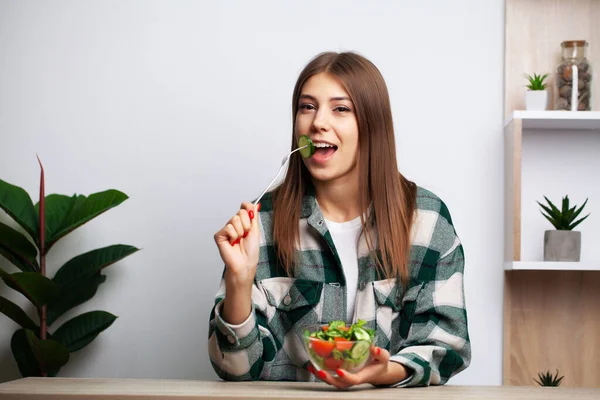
(308, 96)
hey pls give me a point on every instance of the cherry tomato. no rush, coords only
(342, 344)
(322, 347)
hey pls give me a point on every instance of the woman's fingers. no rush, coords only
(379, 360)
(325, 377)
(244, 221)
(236, 221)
(380, 355)
(231, 232)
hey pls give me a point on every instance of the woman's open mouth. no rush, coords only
(323, 151)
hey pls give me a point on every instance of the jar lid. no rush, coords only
(574, 43)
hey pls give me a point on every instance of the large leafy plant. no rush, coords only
(37, 350)
(563, 219)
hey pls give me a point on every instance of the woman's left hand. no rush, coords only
(379, 372)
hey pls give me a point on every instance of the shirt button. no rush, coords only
(287, 300)
(231, 339)
(320, 223)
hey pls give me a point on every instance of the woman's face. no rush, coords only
(327, 115)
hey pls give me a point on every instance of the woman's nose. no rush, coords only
(321, 122)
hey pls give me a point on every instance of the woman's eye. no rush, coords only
(341, 109)
(307, 107)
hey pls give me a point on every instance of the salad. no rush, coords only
(336, 345)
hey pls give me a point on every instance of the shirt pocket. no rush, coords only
(394, 309)
(294, 302)
(292, 305)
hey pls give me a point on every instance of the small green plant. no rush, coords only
(564, 219)
(38, 348)
(547, 379)
(536, 82)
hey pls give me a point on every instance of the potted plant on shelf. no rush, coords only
(547, 379)
(563, 243)
(39, 346)
(536, 97)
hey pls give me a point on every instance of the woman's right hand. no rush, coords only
(241, 258)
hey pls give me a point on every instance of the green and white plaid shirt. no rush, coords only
(424, 328)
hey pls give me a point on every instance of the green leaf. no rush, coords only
(16, 202)
(576, 214)
(554, 222)
(37, 288)
(56, 210)
(80, 331)
(570, 227)
(16, 261)
(548, 210)
(18, 249)
(569, 215)
(563, 219)
(14, 312)
(536, 82)
(89, 263)
(546, 379)
(73, 295)
(54, 354)
(65, 214)
(555, 210)
(23, 354)
(565, 209)
(50, 354)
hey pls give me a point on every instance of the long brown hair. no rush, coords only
(391, 196)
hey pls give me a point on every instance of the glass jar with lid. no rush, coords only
(574, 77)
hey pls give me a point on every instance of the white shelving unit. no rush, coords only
(550, 153)
(545, 136)
(551, 266)
(557, 120)
(551, 319)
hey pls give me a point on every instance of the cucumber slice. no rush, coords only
(359, 350)
(361, 334)
(307, 151)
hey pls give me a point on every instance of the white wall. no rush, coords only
(185, 106)
(556, 163)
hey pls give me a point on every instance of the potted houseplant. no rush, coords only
(547, 379)
(563, 243)
(39, 346)
(536, 97)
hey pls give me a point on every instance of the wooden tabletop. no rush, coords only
(133, 389)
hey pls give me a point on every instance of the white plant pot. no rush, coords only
(536, 100)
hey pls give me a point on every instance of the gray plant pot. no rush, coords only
(562, 245)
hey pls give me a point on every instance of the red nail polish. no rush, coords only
(235, 242)
(378, 350)
(322, 375)
(258, 207)
(340, 373)
(251, 214)
(245, 234)
(310, 369)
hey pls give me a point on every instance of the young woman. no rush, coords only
(344, 237)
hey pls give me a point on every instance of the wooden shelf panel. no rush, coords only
(552, 266)
(552, 322)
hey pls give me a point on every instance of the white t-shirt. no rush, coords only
(345, 237)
